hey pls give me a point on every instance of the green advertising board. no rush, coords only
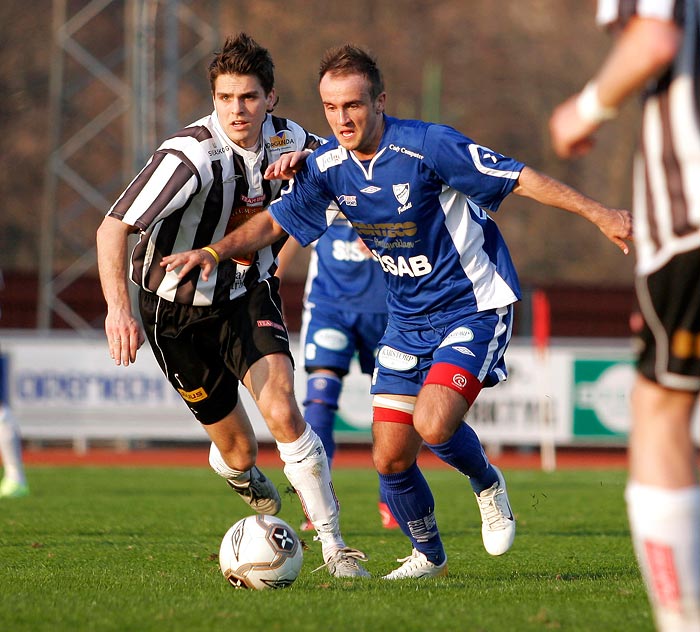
(601, 406)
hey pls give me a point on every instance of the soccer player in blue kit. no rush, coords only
(418, 195)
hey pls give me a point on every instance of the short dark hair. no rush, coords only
(242, 55)
(350, 59)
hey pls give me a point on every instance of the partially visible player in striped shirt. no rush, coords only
(211, 332)
(658, 50)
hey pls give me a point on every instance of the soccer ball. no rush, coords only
(260, 552)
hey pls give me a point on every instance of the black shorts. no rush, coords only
(669, 300)
(205, 351)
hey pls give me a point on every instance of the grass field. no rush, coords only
(97, 548)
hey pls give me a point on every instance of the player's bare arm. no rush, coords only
(124, 333)
(286, 165)
(643, 50)
(259, 231)
(615, 224)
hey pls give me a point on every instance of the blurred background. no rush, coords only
(91, 88)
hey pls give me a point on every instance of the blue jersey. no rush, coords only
(419, 204)
(343, 274)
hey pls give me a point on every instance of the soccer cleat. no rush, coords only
(13, 489)
(259, 492)
(345, 562)
(497, 521)
(388, 520)
(417, 566)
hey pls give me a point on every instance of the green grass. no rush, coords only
(135, 549)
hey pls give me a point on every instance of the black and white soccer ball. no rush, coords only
(260, 552)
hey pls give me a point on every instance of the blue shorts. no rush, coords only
(330, 337)
(475, 343)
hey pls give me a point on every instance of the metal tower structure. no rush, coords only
(123, 74)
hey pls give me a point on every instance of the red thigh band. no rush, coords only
(394, 416)
(456, 378)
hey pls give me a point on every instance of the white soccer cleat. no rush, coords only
(497, 521)
(345, 562)
(417, 566)
(259, 492)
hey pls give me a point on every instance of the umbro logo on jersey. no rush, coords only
(401, 193)
(233, 178)
(370, 189)
(464, 351)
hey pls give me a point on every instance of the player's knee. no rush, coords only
(432, 431)
(391, 461)
(323, 388)
(235, 460)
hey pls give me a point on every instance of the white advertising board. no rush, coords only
(63, 386)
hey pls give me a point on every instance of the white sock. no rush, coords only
(219, 466)
(11, 447)
(665, 525)
(306, 467)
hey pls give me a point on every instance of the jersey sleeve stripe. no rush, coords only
(490, 171)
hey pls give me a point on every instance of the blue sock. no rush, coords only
(320, 417)
(411, 502)
(463, 451)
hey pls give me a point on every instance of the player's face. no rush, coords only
(241, 106)
(356, 119)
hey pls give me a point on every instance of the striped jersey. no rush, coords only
(667, 167)
(196, 187)
(343, 274)
(420, 206)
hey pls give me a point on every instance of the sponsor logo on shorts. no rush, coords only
(197, 395)
(331, 339)
(459, 335)
(270, 323)
(395, 359)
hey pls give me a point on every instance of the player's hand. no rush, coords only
(124, 336)
(189, 260)
(286, 165)
(572, 137)
(616, 225)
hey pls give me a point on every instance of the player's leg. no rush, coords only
(663, 503)
(402, 484)
(663, 495)
(259, 352)
(322, 392)
(232, 456)
(186, 344)
(368, 329)
(453, 383)
(270, 382)
(14, 482)
(327, 345)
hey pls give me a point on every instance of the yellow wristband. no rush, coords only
(213, 253)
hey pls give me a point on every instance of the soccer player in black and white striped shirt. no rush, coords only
(658, 48)
(211, 332)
